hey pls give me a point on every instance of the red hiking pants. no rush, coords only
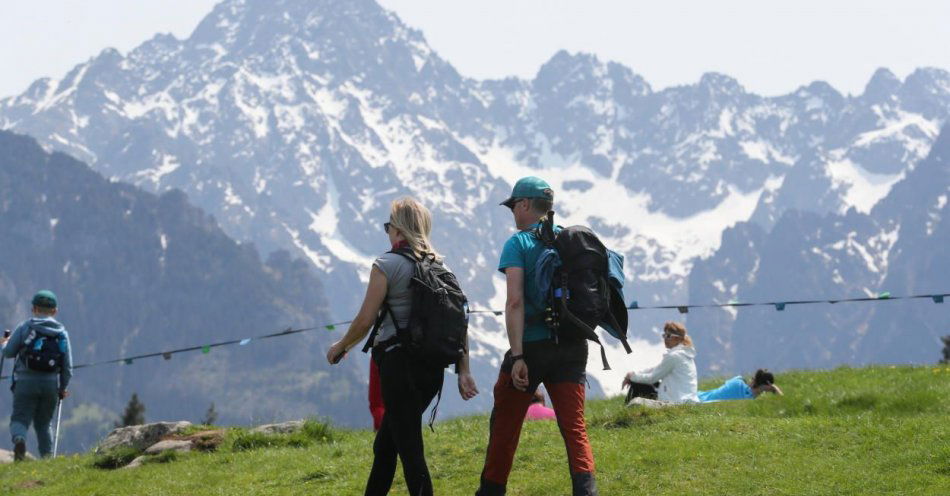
(561, 367)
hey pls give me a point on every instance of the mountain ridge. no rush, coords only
(295, 123)
(138, 273)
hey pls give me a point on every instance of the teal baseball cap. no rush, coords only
(44, 299)
(529, 187)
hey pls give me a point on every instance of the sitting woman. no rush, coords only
(737, 388)
(676, 373)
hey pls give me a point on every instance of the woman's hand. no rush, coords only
(336, 353)
(467, 387)
(626, 382)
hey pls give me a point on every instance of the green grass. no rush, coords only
(878, 430)
(115, 458)
(313, 432)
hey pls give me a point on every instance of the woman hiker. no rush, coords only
(408, 385)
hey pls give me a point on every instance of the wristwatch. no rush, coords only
(515, 358)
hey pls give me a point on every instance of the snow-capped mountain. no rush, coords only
(295, 122)
(899, 247)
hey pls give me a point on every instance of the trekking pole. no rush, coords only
(59, 417)
(6, 334)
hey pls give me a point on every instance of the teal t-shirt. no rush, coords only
(522, 250)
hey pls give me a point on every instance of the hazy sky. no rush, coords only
(771, 47)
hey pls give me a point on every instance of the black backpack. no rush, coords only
(438, 319)
(579, 296)
(44, 353)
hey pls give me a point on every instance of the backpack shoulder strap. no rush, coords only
(623, 339)
(370, 341)
(406, 253)
(545, 230)
(591, 334)
(30, 339)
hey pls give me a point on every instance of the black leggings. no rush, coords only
(641, 390)
(408, 388)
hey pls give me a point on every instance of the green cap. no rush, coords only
(45, 299)
(529, 187)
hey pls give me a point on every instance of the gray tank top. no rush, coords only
(398, 271)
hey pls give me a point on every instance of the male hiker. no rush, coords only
(535, 356)
(41, 373)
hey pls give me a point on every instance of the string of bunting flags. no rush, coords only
(778, 305)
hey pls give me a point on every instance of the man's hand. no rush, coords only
(63, 394)
(336, 353)
(467, 387)
(519, 374)
(6, 337)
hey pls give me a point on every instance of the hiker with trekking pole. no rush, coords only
(419, 320)
(41, 372)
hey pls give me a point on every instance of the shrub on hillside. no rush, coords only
(115, 458)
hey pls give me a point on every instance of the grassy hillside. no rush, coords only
(881, 430)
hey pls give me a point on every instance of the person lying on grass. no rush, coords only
(738, 389)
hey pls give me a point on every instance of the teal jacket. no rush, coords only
(45, 326)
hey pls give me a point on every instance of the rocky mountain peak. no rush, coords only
(882, 86)
(720, 84)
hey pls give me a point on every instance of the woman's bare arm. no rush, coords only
(365, 318)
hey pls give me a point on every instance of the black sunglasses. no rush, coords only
(511, 206)
(386, 226)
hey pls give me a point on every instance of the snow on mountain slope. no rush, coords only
(296, 123)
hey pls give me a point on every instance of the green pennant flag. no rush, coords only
(331, 327)
(206, 349)
(884, 295)
(128, 361)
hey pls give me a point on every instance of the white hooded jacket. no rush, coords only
(677, 373)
